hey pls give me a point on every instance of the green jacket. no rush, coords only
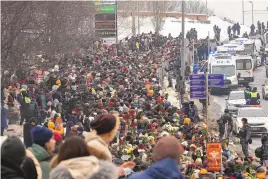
(43, 158)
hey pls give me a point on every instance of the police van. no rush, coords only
(231, 48)
(222, 64)
(244, 67)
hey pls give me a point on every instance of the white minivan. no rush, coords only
(244, 67)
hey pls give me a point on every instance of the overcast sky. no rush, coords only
(232, 9)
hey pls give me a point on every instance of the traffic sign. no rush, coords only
(215, 80)
(197, 89)
(198, 86)
(197, 83)
(214, 83)
(197, 77)
(215, 76)
(108, 9)
(200, 95)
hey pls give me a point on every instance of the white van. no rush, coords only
(222, 64)
(232, 48)
(244, 67)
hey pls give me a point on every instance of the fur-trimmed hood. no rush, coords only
(84, 168)
(97, 146)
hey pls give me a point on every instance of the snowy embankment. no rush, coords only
(173, 26)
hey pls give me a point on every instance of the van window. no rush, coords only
(243, 64)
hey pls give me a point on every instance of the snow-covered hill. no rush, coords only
(173, 26)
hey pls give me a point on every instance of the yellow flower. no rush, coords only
(246, 174)
(203, 171)
(261, 175)
(129, 150)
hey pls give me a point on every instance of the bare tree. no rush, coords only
(43, 27)
(158, 8)
(197, 7)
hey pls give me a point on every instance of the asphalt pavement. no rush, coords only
(260, 77)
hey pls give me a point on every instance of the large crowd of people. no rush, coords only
(106, 116)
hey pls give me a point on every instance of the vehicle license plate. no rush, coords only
(255, 128)
(241, 78)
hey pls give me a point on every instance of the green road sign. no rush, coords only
(108, 9)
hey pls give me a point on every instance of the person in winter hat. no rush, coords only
(12, 156)
(42, 150)
(166, 156)
(58, 139)
(106, 126)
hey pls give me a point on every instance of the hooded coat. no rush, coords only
(163, 169)
(84, 168)
(43, 157)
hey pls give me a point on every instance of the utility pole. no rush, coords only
(182, 71)
(207, 8)
(133, 18)
(183, 40)
(138, 7)
(252, 9)
(116, 30)
(243, 12)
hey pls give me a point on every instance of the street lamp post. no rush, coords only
(252, 11)
(243, 12)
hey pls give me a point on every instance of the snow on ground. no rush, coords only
(173, 26)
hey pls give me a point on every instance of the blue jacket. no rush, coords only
(4, 112)
(164, 169)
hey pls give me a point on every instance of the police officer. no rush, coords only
(254, 97)
(264, 148)
(244, 134)
(222, 123)
(247, 94)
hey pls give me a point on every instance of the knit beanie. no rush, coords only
(41, 135)
(57, 137)
(14, 149)
(104, 123)
(167, 147)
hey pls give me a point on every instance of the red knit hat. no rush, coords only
(57, 137)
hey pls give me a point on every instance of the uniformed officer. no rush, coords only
(247, 92)
(254, 97)
(222, 123)
(245, 133)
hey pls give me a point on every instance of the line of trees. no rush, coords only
(50, 28)
(160, 6)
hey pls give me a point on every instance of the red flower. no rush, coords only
(134, 124)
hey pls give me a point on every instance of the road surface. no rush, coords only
(260, 77)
